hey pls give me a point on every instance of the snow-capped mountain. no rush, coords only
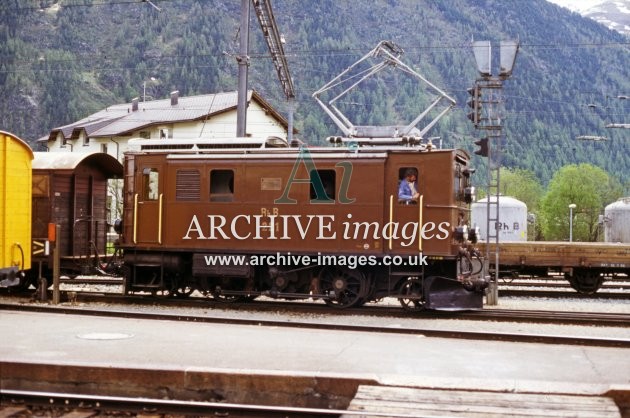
(614, 14)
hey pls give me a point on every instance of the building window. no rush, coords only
(144, 134)
(188, 185)
(104, 148)
(322, 188)
(166, 133)
(221, 185)
(150, 184)
(86, 140)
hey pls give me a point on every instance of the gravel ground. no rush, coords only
(506, 302)
(571, 305)
(563, 304)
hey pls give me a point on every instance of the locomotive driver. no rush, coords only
(408, 189)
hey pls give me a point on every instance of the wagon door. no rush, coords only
(82, 230)
(148, 202)
(404, 211)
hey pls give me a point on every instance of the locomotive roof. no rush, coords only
(261, 148)
(71, 160)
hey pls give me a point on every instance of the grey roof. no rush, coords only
(120, 119)
(71, 160)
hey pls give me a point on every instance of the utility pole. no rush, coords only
(243, 65)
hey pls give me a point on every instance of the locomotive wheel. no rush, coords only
(183, 291)
(585, 281)
(412, 287)
(345, 287)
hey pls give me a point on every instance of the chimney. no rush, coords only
(134, 104)
(174, 97)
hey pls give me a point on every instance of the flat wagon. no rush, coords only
(584, 264)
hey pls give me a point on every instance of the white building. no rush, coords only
(206, 116)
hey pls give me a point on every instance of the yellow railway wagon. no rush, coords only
(15, 208)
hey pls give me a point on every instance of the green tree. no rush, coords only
(588, 187)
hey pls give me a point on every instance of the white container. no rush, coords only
(617, 221)
(512, 225)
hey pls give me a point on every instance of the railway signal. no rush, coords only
(475, 104)
(483, 147)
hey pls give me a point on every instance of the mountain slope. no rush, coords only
(64, 59)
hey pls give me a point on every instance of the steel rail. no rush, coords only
(174, 406)
(296, 307)
(328, 326)
(560, 285)
(562, 294)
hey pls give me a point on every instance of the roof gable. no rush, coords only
(121, 119)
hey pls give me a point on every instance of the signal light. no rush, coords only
(475, 104)
(483, 147)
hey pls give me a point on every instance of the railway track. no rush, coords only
(66, 405)
(533, 287)
(616, 320)
(555, 284)
(557, 287)
(309, 307)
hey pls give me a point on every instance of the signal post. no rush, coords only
(486, 114)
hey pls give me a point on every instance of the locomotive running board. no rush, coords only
(446, 294)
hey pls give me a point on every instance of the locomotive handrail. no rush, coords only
(135, 218)
(19, 247)
(332, 152)
(391, 219)
(160, 203)
(345, 151)
(420, 201)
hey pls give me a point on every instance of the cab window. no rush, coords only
(221, 185)
(325, 178)
(150, 183)
(408, 185)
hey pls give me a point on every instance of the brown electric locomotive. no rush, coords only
(243, 218)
